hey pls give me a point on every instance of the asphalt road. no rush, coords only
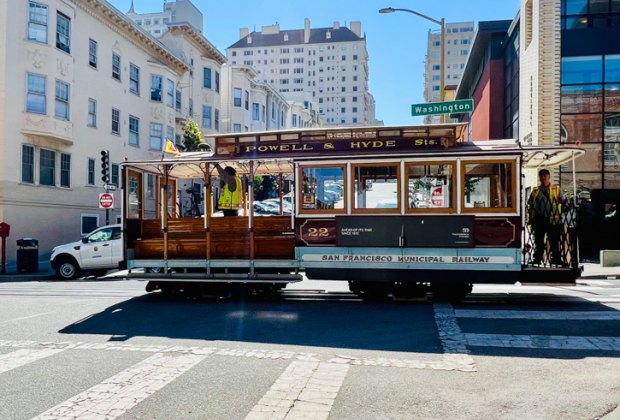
(107, 349)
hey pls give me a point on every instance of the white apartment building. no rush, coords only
(250, 105)
(179, 11)
(77, 78)
(329, 63)
(198, 95)
(458, 41)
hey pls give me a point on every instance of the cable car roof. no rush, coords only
(275, 151)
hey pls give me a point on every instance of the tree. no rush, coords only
(192, 136)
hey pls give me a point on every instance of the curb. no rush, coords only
(26, 277)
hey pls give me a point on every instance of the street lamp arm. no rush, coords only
(392, 10)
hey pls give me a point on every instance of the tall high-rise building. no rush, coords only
(330, 63)
(179, 11)
(458, 40)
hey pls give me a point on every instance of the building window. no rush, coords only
(255, 111)
(37, 22)
(206, 83)
(65, 170)
(91, 172)
(156, 86)
(294, 120)
(89, 223)
(217, 82)
(47, 167)
(92, 113)
(116, 121)
(134, 131)
(216, 119)
(134, 79)
(206, 117)
(63, 32)
(27, 164)
(155, 136)
(36, 98)
(61, 108)
(237, 97)
(114, 174)
(236, 128)
(247, 100)
(177, 104)
(92, 53)
(170, 94)
(116, 66)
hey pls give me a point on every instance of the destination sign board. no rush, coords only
(449, 107)
(339, 146)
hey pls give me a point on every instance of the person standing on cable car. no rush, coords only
(545, 207)
(230, 194)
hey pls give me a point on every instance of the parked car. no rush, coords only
(99, 251)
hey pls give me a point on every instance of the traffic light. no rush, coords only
(105, 166)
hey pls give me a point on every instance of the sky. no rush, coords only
(395, 83)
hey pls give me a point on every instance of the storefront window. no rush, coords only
(582, 98)
(586, 69)
(612, 97)
(586, 128)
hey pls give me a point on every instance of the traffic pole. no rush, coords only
(107, 217)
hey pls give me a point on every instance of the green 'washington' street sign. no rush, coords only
(435, 108)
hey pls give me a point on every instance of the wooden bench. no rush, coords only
(229, 238)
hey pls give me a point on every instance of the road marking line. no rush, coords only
(22, 357)
(27, 317)
(118, 394)
(456, 354)
(540, 315)
(555, 342)
(306, 390)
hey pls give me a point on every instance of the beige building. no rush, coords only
(329, 63)
(540, 67)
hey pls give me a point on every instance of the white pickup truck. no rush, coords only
(97, 252)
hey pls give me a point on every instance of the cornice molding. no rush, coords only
(123, 26)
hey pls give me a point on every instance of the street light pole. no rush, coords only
(442, 62)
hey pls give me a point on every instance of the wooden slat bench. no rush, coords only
(230, 238)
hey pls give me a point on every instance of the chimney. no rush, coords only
(243, 32)
(356, 28)
(336, 25)
(306, 30)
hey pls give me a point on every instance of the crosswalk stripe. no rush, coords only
(554, 342)
(114, 396)
(540, 315)
(22, 357)
(452, 339)
(306, 390)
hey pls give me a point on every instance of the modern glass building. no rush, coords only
(590, 115)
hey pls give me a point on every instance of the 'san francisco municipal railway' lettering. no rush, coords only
(410, 259)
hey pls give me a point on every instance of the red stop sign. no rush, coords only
(106, 200)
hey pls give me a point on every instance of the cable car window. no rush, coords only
(323, 189)
(489, 186)
(376, 188)
(431, 186)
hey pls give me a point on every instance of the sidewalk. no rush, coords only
(590, 271)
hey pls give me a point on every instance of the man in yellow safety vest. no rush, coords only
(230, 193)
(544, 209)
